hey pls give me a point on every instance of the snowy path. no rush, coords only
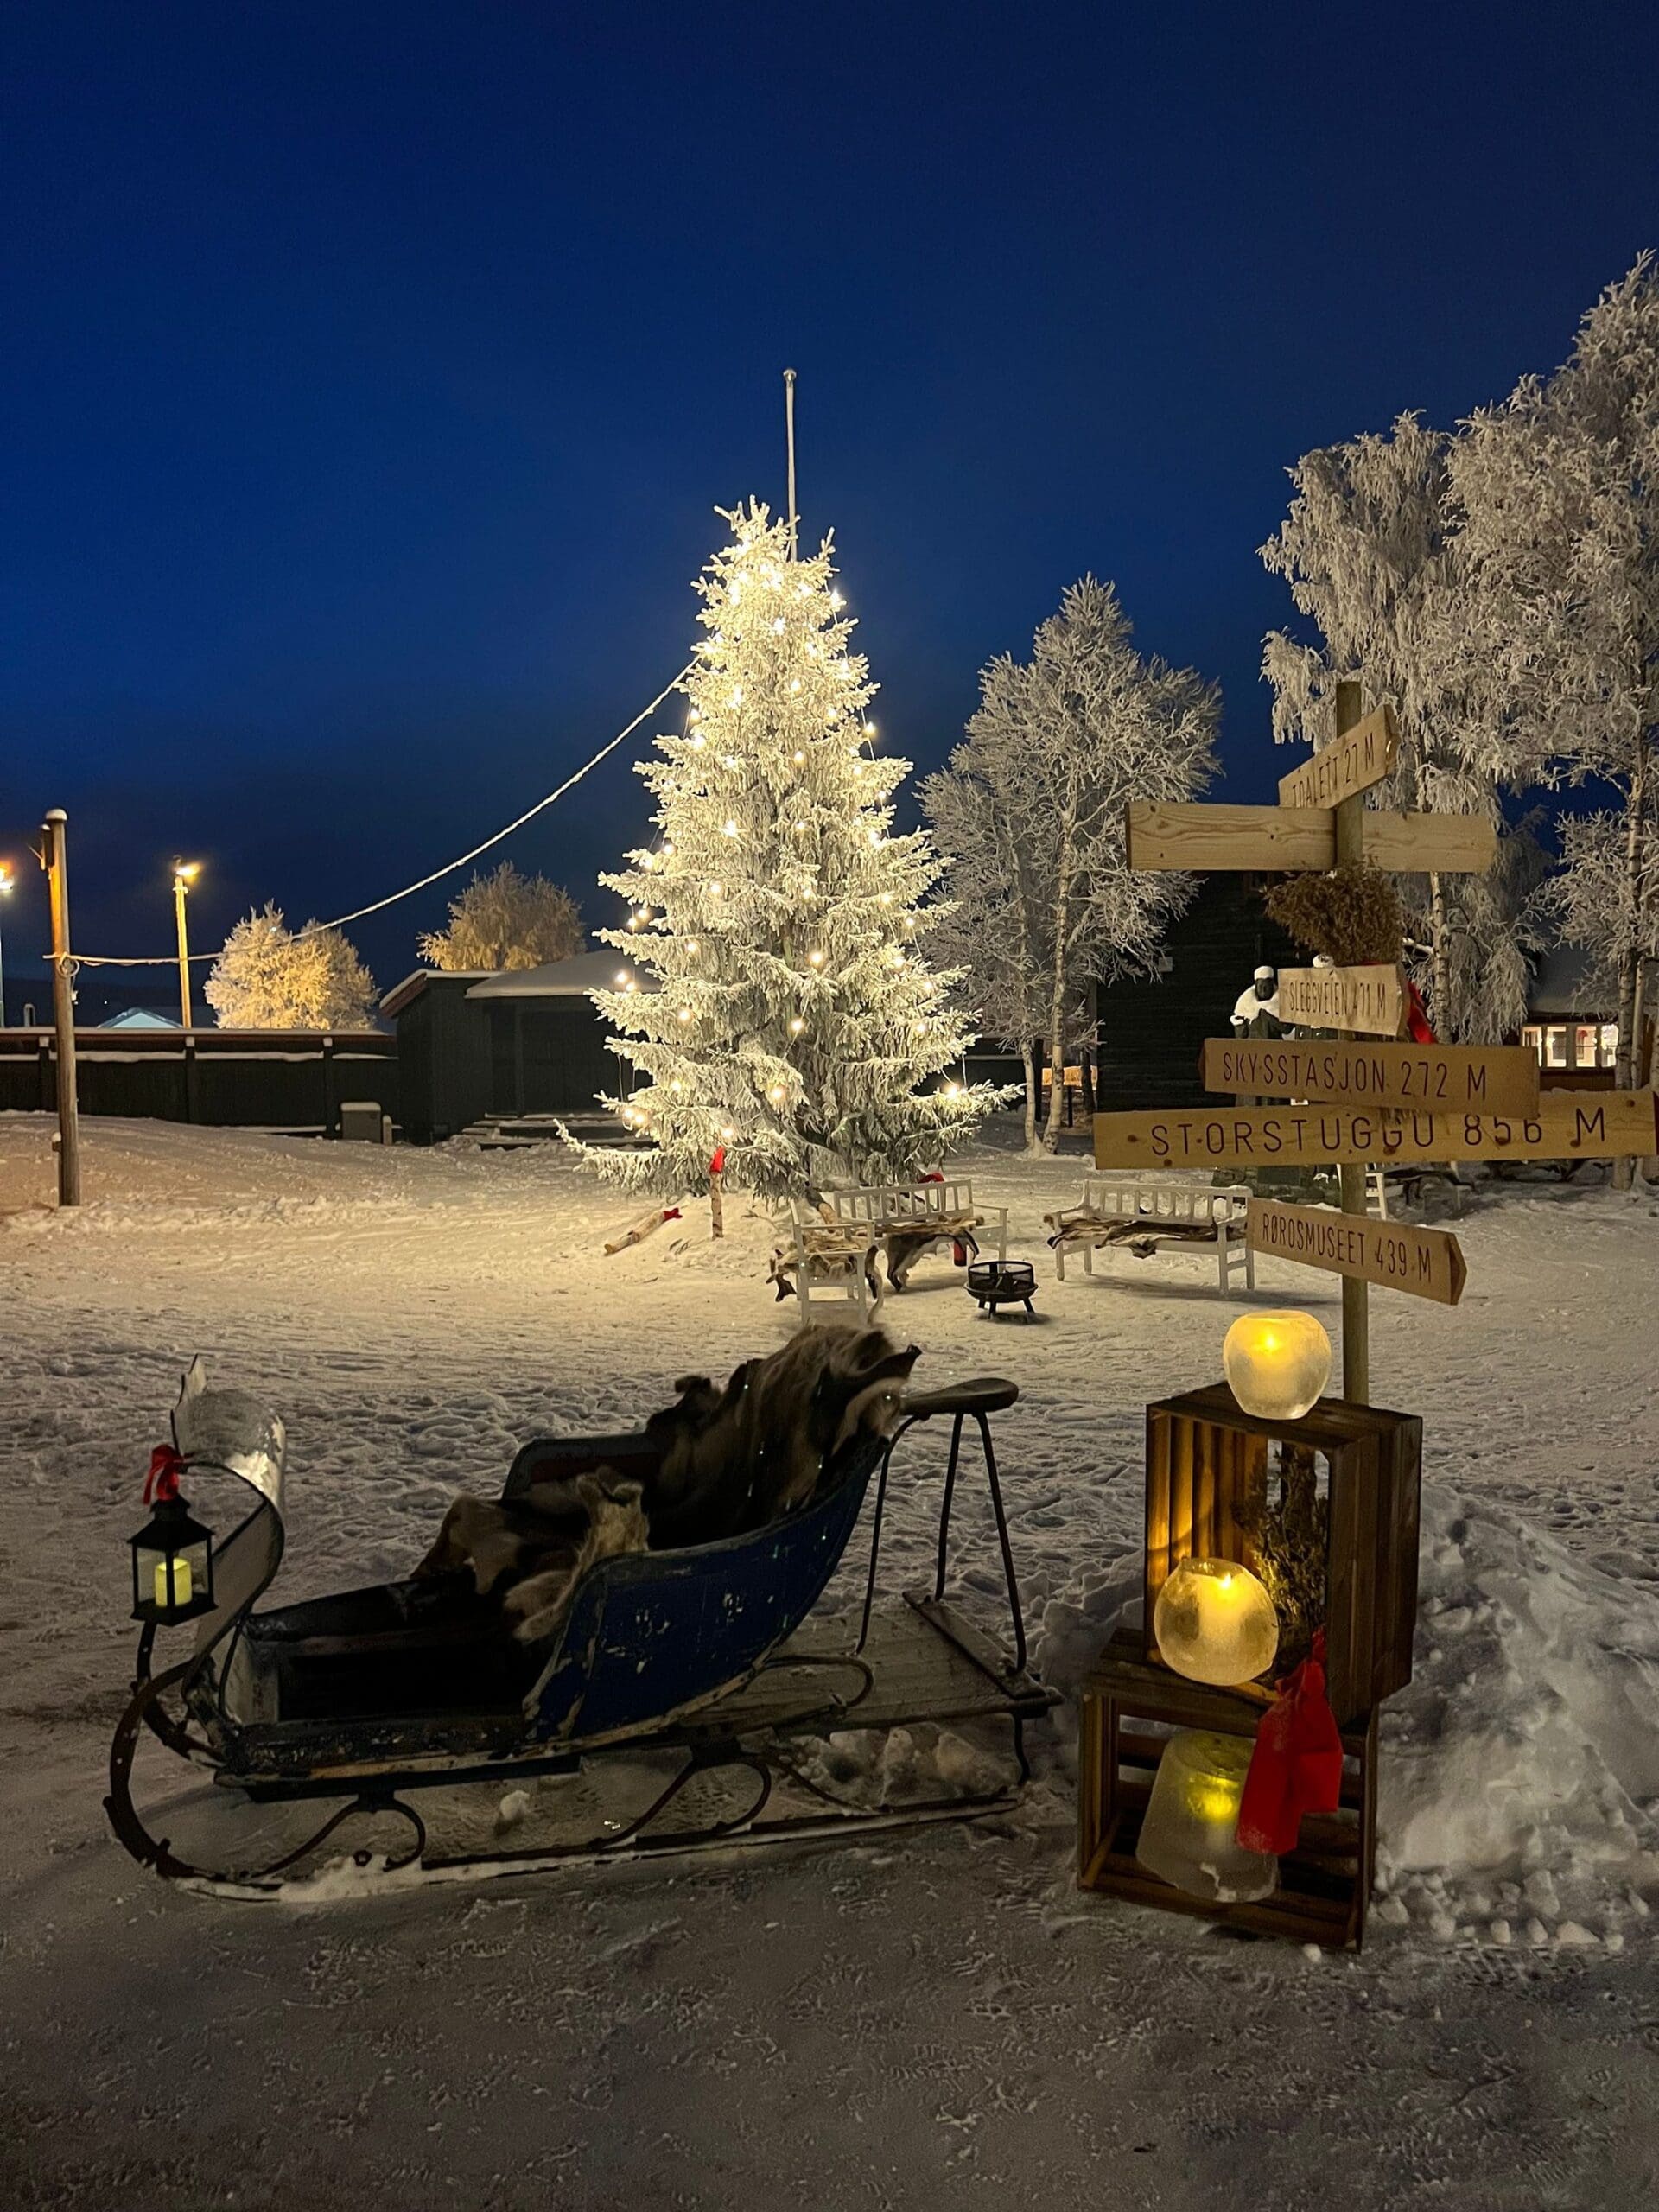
(930, 2021)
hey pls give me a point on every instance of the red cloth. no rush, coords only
(719, 1161)
(1417, 1022)
(1296, 1766)
(162, 1482)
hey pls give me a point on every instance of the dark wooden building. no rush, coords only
(1151, 1033)
(523, 1042)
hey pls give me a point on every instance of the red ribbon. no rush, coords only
(162, 1482)
(1296, 1766)
(671, 1213)
(719, 1161)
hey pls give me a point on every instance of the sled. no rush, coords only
(706, 1655)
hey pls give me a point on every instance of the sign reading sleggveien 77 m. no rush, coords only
(1564, 1125)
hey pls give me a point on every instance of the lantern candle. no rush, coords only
(1189, 1835)
(1214, 1622)
(1276, 1364)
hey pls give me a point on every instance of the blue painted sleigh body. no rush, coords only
(419, 1669)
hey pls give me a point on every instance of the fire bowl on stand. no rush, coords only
(1002, 1282)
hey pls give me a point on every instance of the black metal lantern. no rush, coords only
(172, 1565)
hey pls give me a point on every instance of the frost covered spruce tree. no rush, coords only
(772, 993)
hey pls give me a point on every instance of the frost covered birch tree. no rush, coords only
(794, 1019)
(268, 976)
(1374, 559)
(997, 929)
(1061, 744)
(1556, 493)
(505, 920)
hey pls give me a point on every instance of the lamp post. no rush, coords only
(7, 886)
(184, 874)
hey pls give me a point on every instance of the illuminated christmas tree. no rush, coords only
(772, 994)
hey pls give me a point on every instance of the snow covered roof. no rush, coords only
(564, 979)
(139, 1017)
(395, 1000)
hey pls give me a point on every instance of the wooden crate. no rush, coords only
(1323, 1885)
(1207, 1467)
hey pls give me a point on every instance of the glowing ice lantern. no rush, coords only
(1188, 1837)
(1214, 1623)
(172, 1565)
(1276, 1364)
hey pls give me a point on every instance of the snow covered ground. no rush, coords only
(927, 2020)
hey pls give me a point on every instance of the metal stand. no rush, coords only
(971, 1400)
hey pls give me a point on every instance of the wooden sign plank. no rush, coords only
(1563, 1125)
(1417, 844)
(1472, 1078)
(1298, 839)
(1360, 757)
(1302, 840)
(1426, 1262)
(1371, 1000)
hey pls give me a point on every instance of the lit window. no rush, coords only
(1556, 1047)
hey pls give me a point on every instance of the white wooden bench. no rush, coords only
(832, 1258)
(909, 1219)
(1152, 1216)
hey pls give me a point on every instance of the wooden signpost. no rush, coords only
(1302, 840)
(1475, 1078)
(1426, 1262)
(1360, 757)
(1376, 1102)
(1371, 1000)
(1563, 1125)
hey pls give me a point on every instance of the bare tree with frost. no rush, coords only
(268, 976)
(1071, 735)
(1373, 558)
(1556, 495)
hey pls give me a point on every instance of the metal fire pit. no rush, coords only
(1002, 1282)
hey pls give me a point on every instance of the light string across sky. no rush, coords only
(378, 905)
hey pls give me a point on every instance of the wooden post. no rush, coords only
(716, 1211)
(1356, 1294)
(789, 435)
(56, 861)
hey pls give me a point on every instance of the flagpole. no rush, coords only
(789, 433)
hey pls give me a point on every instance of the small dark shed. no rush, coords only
(1151, 1033)
(524, 1041)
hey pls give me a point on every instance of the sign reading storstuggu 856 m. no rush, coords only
(1564, 1125)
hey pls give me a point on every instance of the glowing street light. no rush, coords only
(8, 885)
(184, 875)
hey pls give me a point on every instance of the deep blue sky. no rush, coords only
(371, 371)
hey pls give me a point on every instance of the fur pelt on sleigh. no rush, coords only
(734, 1459)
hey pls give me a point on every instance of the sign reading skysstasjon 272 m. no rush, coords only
(1563, 1125)
(1476, 1078)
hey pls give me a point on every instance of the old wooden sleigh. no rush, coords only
(703, 1660)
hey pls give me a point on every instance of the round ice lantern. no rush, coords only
(1214, 1623)
(1276, 1364)
(1189, 1835)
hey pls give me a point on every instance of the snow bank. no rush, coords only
(1519, 1788)
(1519, 1780)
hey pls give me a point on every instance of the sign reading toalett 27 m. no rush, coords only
(1563, 1125)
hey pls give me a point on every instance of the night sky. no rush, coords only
(370, 372)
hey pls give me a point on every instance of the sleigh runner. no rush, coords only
(705, 1654)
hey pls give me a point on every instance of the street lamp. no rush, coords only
(184, 874)
(8, 885)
